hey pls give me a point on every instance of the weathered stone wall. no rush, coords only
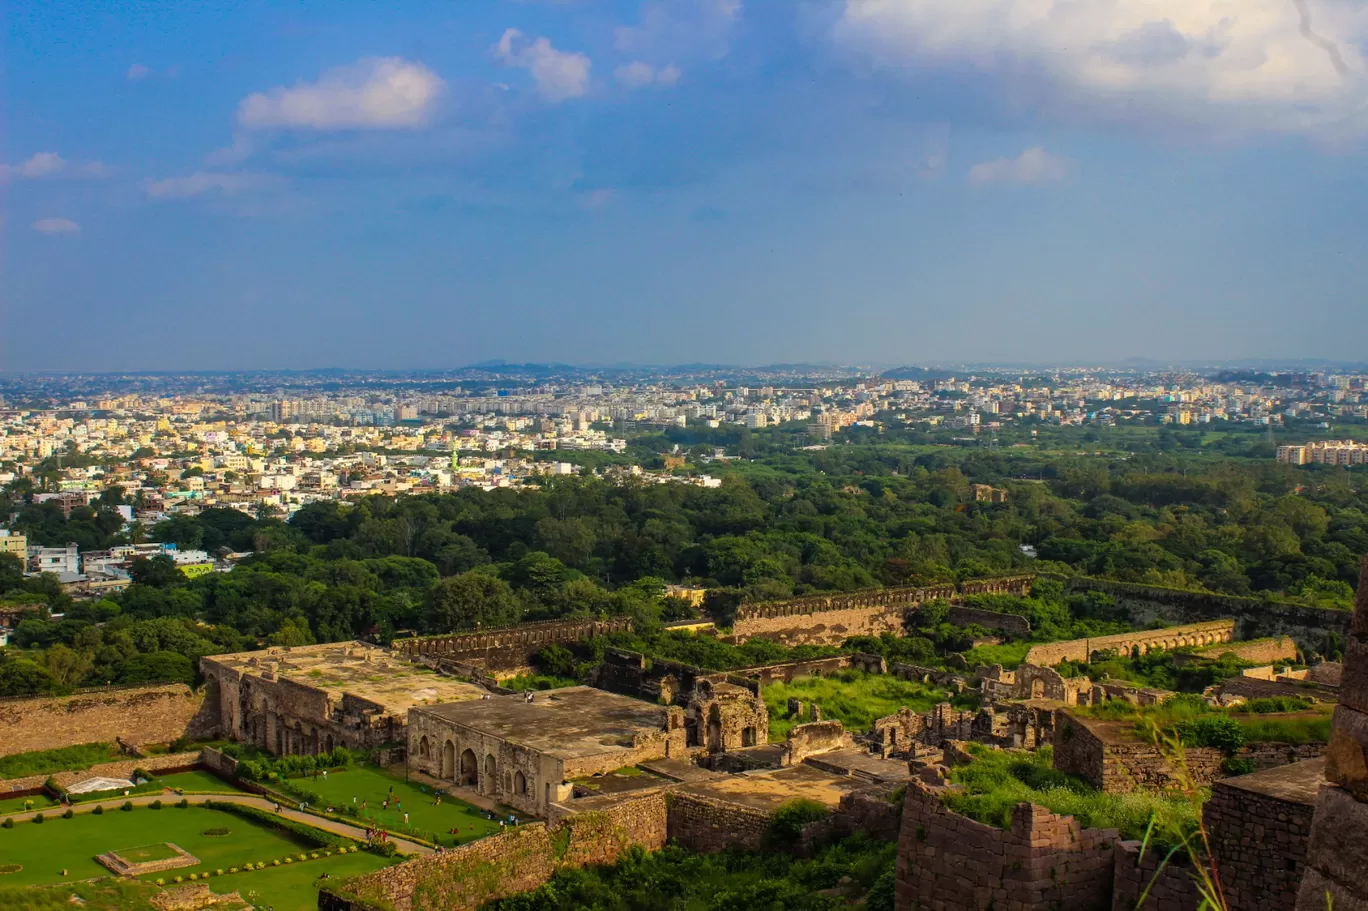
(706, 826)
(1042, 862)
(512, 647)
(144, 714)
(1107, 757)
(124, 768)
(1002, 585)
(1011, 624)
(1255, 617)
(1171, 888)
(1259, 844)
(1259, 651)
(1199, 634)
(515, 860)
(815, 737)
(871, 811)
(1337, 856)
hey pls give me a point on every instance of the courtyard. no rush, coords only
(372, 786)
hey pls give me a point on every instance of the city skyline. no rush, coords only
(681, 181)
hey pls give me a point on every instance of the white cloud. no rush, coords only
(375, 93)
(639, 74)
(138, 71)
(43, 164)
(560, 75)
(204, 182)
(1033, 166)
(680, 28)
(1228, 63)
(56, 226)
(239, 151)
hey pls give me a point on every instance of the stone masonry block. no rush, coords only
(1338, 846)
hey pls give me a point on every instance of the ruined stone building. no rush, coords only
(311, 699)
(525, 753)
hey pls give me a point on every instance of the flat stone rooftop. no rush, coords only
(767, 790)
(861, 764)
(568, 723)
(1298, 782)
(356, 669)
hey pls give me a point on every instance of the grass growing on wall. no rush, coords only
(1283, 720)
(1010, 655)
(47, 762)
(998, 780)
(854, 698)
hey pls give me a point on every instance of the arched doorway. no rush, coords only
(423, 747)
(491, 782)
(470, 770)
(1037, 688)
(519, 783)
(448, 760)
(329, 743)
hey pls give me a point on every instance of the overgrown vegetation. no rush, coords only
(1197, 723)
(856, 871)
(855, 699)
(998, 780)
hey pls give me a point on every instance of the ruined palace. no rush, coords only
(524, 753)
(313, 698)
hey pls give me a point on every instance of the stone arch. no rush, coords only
(448, 769)
(423, 747)
(491, 775)
(519, 783)
(1037, 688)
(329, 743)
(470, 769)
(298, 738)
(313, 741)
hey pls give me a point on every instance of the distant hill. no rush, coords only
(919, 373)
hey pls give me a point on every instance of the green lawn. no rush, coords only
(46, 762)
(197, 780)
(1009, 655)
(854, 698)
(143, 854)
(372, 786)
(16, 804)
(295, 888)
(72, 844)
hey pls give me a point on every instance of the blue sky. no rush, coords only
(254, 185)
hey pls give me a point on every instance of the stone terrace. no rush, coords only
(356, 669)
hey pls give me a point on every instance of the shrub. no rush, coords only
(786, 826)
(161, 881)
(127, 806)
(1234, 765)
(98, 811)
(1218, 731)
(218, 872)
(382, 848)
(289, 860)
(183, 803)
(216, 832)
(68, 814)
(179, 879)
(275, 863)
(156, 804)
(7, 824)
(11, 868)
(38, 819)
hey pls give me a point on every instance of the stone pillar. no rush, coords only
(1337, 856)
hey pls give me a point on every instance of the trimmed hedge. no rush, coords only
(271, 820)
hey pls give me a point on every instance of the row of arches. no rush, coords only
(466, 769)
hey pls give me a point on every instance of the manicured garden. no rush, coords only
(45, 849)
(371, 786)
(294, 887)
(854, 698)
(197, 781)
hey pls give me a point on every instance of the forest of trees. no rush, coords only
(845, 518)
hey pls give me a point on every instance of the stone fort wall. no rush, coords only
(829, 619)
(1198, 634)
(1259, 843)
(1255, 617)
(515, 860)
(1041, 862)
(141, 714)
(506, 649)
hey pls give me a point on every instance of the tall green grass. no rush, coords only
(999, 780)
(855, 699)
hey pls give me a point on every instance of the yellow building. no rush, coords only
(14, 544)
